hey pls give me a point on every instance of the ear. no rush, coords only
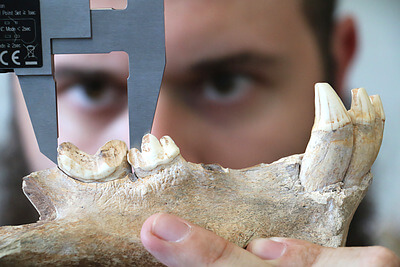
(344, 48)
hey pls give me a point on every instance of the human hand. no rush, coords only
(176, 242)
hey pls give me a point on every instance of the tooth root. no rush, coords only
(109, 163)
(328, 152)
(368, 119)
(154, 153)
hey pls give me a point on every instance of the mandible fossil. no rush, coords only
(92, 207)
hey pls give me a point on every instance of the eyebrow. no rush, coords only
(243, 58)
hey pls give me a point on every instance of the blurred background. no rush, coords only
(376, 68)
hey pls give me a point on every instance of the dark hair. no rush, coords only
(320, 16)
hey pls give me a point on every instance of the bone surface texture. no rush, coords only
(92, 207)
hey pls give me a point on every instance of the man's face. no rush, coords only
(238, 86)
(237, 89)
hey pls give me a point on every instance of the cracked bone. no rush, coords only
(98, 223)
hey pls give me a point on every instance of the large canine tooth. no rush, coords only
(109, 163)
(368, 118)
(329, 150)
(154, 152)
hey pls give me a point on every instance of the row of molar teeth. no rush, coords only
(112, 160)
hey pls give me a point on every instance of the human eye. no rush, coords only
(226, 95)
(226, 87)
(90, 90)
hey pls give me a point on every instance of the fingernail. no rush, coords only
(170, 228)
(268, 249)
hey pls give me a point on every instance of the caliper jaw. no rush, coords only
(70, 27)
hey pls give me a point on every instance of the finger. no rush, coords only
(302, 253)
(176, 242)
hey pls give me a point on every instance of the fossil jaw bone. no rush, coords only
(99, 223)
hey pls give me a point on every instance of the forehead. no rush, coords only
(197, 25)
(222, 14)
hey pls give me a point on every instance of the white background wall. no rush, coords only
(377, 68)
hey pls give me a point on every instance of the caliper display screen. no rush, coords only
(20, 34)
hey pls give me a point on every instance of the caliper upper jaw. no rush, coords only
(40, 99)
(137, 30)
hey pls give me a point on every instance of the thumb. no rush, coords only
(176, 242)
(303, 253)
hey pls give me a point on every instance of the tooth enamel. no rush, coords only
(135, 158)
(154, 152)
(151, 149)
(368, 119)
(330, 113)
(170, 148)
(377, 103)
(362, 111)
(379, 122)
(328, 152)
(109, 163)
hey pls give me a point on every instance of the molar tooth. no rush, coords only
(109, 162)
(154, 152)
(329, 150)
(368, 119)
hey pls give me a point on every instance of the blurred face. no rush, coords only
(238, 86)
(237, 89)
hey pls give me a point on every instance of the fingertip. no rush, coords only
(267, 248)
(162, 235)
(151, 242)
(175, 242)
